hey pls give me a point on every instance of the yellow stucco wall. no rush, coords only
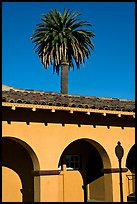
(70, 185)
(48, 143)
(11, 185)
(52, 139)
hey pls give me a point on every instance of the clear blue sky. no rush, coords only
(110, 70)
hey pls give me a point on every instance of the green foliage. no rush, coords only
(60, 39)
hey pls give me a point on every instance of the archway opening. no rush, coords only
(130, 161)
(130, 164)
(84, 156)
(17, 158)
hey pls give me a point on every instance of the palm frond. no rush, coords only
(62, 37)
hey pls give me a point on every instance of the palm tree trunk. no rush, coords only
(64, 78)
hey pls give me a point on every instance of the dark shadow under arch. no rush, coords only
(19, 156)
(130, 161)
(130, 164)
(93, 159)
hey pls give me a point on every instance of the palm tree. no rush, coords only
(60, 41)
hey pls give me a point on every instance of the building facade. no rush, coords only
(61, 148)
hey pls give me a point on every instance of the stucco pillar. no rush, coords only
(70, 186)
(108, 188)
(116, 186)
(64, 169)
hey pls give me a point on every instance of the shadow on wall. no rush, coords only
(82, 155)
(17, 158)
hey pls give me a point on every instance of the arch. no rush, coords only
(20, 157)
(90, 152)
(130, 164)
(103, 153)
(130, 160)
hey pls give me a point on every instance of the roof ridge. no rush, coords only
(8, 88)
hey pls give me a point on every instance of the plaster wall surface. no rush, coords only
(49, 140)
(10, 184)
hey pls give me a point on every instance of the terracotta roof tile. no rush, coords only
(12, 95)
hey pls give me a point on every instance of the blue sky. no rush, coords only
(109, 71)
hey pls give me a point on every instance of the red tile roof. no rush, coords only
(14, 95)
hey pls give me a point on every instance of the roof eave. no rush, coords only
(88, 111)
